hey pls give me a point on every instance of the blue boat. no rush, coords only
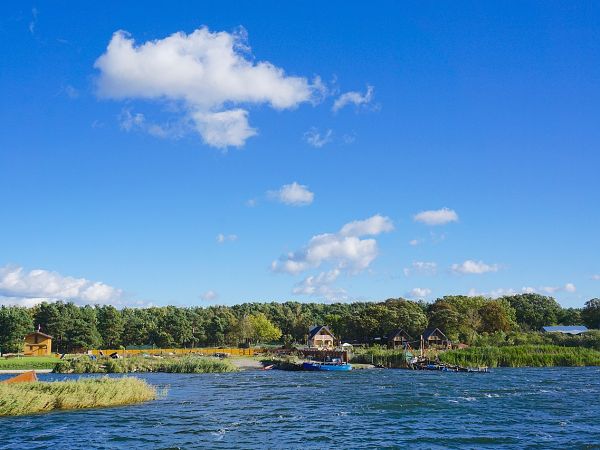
(327, 366)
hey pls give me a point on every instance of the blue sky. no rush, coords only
(221, 164)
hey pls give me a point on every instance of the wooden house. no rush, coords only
(434, 338)
(320, 336)
(38, 344)
(399, 338)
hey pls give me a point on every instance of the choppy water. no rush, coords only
(508, 408)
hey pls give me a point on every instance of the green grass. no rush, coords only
(185, 364)
(28, 398)
(28, 363)
(523, 356)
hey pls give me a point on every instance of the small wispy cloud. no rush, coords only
(353, 98)
(471, 267)
(317, 139)
(421, 268)
(596, 277)
(418, 293)
(209, 296)
(33, 21)
(293, 194)
(436, 216)
(222, 238)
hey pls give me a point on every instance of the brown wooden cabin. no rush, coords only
(38, 344)
(435, 338)
(320, 336)
(399, 338)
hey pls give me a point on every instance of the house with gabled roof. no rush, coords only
(38, 344)
(399, 338)
(320, 336)
(434, 337)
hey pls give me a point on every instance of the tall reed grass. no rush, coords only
(28, 398)
(523, 356)
(186, 364)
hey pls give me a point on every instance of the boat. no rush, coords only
(25, 377)
(333, 366)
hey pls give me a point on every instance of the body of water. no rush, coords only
(507, 408)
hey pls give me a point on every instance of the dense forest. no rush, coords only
(460, 317)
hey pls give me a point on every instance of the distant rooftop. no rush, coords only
(568, 329)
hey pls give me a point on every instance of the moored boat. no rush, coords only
(327, 366)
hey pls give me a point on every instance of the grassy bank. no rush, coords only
(523, 356)
(28, 363)
(29, 398)
(186, 364)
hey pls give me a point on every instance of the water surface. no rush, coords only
(508, 408)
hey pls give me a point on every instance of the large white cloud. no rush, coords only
(346, 250)
(320, 285)
(294, 194)
(17, 286)
(436, 216)
(474, 267)
(208, 73)
(418, 292)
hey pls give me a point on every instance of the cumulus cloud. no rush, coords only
(421, 267)
(436, 216)
(222, 238)
(346, 249)
(501, 292)
(293, 194)
(209, 296)
(418, 292)
(353, 98)
(17, 286)
(209, 73)
(474, 267)
(569, 287)
(320, 285)
(314, 137)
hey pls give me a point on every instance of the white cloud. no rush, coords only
(345, 249)
(208, 73)
(570, 287)
(418, 292)
(421, 267)
(33, 22)
(293, 194)
(316, 139)
(474, 267)
(18, 286)
(436, 217)
(353, 97)
(251, 203)
(209, 295)
(320, 285)
(222, 238)
(415, 242)
(596, 277)
(372, 226)
(71, 92)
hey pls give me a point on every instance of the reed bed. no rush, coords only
(28, 398)
(186, 364)
(523, 356)
(393, 358)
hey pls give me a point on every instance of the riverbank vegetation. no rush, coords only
(185, 364)
(29, 398)
(37, 363)
(522, 356)
(462, 318)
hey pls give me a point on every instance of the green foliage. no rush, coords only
(186, 364)
(15, 323)
(381, 357)
(29, 398)
(28, 363)
(262, 329)
(523, 356)
(533, 311)
(591, 313)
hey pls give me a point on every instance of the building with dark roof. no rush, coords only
(566, 329)
(320, 336)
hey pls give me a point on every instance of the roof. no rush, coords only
(39, 333)
(399, 332)
(568, 329)
(314, 330)
(431, 331)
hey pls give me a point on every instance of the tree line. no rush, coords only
(461, 318)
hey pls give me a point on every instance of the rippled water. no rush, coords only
(510, 408)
